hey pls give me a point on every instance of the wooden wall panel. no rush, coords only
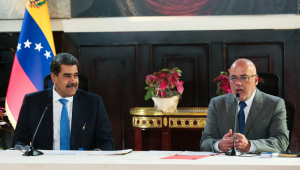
(6, 61)
(143, 69)
(193, 61)
(8, 44)
(111, 73)
(107, 73)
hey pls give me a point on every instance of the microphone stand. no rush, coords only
(31, 151)
(233, 151)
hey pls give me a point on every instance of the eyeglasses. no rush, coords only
(243, 79)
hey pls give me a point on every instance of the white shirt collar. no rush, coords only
(250, 100)
(56, 96)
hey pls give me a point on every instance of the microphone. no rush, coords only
(233, 151)
(31, 151)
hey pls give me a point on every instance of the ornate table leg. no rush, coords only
(138, 139)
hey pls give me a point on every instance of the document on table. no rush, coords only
(192, 155)
(118, 152)
(250, 155)
(75, 152)
(63, 152)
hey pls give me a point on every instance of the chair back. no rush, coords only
(290, 117)
(270, 84)
(83, 82)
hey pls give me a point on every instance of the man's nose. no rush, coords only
(238, 82)
(72, 79)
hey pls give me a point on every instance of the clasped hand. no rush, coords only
(241, 142)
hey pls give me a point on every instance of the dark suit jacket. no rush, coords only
(265, 126)
(88, 110)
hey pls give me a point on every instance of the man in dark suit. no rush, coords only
(74, 120)
(262, 118)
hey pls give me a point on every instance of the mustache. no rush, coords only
(72, 84)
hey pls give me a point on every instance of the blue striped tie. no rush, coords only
(64, 127)
(242, 116)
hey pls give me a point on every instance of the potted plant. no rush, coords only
(165, 89)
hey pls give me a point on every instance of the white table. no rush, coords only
(139, 160)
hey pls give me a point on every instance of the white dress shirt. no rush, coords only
(57, 107)
(249, 102)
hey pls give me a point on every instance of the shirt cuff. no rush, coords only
(253, 148)
(216, 147)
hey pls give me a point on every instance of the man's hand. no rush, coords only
(226, 142)
(242, 144)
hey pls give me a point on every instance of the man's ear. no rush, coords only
(54, 78)
(256, 80)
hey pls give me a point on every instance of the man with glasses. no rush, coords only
(261, 123)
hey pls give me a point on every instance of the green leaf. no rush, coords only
(219, 83)
(148, 96)
(152, 93)
(217, 93)
(179, 71)
(147, 88)
(165, 69)
(224, 72)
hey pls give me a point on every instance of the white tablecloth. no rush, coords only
(141, 160)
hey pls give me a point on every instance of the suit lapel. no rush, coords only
(48, 119)
(78, 109)
(230, 107)
(255, 108)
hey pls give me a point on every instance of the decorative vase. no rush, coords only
(166, 104)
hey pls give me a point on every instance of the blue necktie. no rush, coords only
(64, 127)
(242, 116)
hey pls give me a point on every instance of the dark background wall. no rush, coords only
(117, 63)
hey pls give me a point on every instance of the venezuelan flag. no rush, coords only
(32, 59)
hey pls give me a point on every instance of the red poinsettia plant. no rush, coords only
(223, 83)
(164, 83)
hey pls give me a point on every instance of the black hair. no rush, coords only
(62, 58)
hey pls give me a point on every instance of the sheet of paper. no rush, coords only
(118, 152)
(191, 153)
(75, 152)
(63, 152)
(250, 155)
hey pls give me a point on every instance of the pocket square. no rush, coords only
(83, 126)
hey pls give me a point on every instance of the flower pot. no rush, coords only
(166, 104)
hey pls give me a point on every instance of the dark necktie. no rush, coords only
(64, 127)
(242, 116)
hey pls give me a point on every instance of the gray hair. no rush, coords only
(62, 58)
